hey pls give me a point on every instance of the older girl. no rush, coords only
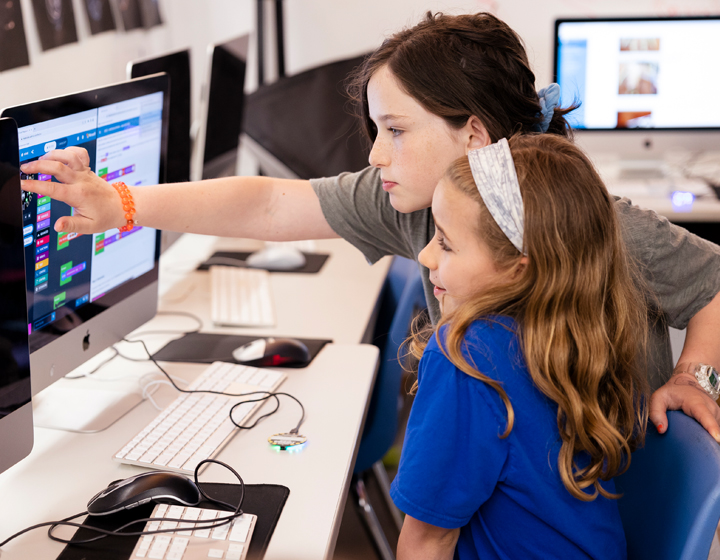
(530, 392)
(427, 96)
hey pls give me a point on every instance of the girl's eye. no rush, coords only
(395, 131)
(443, 246)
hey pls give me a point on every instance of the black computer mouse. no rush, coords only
(142, 488)
(272, 352)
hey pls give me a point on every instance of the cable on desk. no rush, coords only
(97, 368)
(266, 395)
(121, 531)
(117, 353)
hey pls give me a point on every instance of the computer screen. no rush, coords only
(85, 292)
(177, 66)
(651, 79)
(16, 421)
(224, 105)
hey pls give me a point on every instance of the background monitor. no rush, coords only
(179, 150)
(646, 85)
(16, 421)
(177, 66)
(224, 97)
(85, 292)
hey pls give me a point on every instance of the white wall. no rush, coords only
(323, 30)
(317, 31)
(101, 59)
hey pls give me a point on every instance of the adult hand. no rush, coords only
(96, 203)
(682, 392)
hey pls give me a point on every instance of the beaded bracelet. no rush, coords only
(128, 205)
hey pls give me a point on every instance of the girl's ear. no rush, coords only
(519, 268)
(478, 136)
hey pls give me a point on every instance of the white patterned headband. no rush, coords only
(494, 172)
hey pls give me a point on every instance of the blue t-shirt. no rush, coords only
(506, 495)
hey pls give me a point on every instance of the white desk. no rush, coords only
(656, 193)
(66, 469)
(337, 303)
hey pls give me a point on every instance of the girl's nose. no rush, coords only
(379, 154)
(425, 257)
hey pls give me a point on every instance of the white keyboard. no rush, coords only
(196, 426)
(241, 297)
(229, 541)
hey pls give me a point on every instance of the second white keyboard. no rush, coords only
(241, 297)
(230, 541)
(195, 426)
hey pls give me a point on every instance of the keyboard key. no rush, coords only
(234, 551)
(239, 532)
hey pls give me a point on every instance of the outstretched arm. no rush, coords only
(421, 541)
(682, 392)
(255, 207)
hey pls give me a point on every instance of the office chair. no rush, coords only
(671, 493)
(402, 297)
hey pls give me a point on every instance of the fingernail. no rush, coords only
(23, 167)
(659, 427)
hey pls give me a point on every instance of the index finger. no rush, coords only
(45, 188)
(59, 170)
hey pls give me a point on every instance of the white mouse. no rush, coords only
(277, 257)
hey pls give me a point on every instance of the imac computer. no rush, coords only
(86, 292)
(16, 419)
(646, 86)
(224, 94)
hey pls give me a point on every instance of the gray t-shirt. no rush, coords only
(681, 269)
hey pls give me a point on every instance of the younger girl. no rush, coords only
(529, 394)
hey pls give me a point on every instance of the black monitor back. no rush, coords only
(225, 106)
(307, 123)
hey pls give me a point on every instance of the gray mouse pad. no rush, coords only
(206, 348)
(313, 261)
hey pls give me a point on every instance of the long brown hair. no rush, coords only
(578, 304)
(457, 66)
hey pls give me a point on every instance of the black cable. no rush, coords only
(97, 368)
(267, 394)
(121, 532)
(192, 316)
(293, 431)
(45, 524)
(143, 333)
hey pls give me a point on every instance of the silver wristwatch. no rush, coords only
(706, 376)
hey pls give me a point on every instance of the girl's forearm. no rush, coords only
(257, 207)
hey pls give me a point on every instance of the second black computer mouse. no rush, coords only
(142, 488)
(272, 352)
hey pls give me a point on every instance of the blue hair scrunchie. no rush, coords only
(549, 98)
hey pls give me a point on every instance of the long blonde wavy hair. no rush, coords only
(579, 305)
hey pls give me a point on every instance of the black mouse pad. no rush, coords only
(264, 500)
(313, 261)
(206, 348)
